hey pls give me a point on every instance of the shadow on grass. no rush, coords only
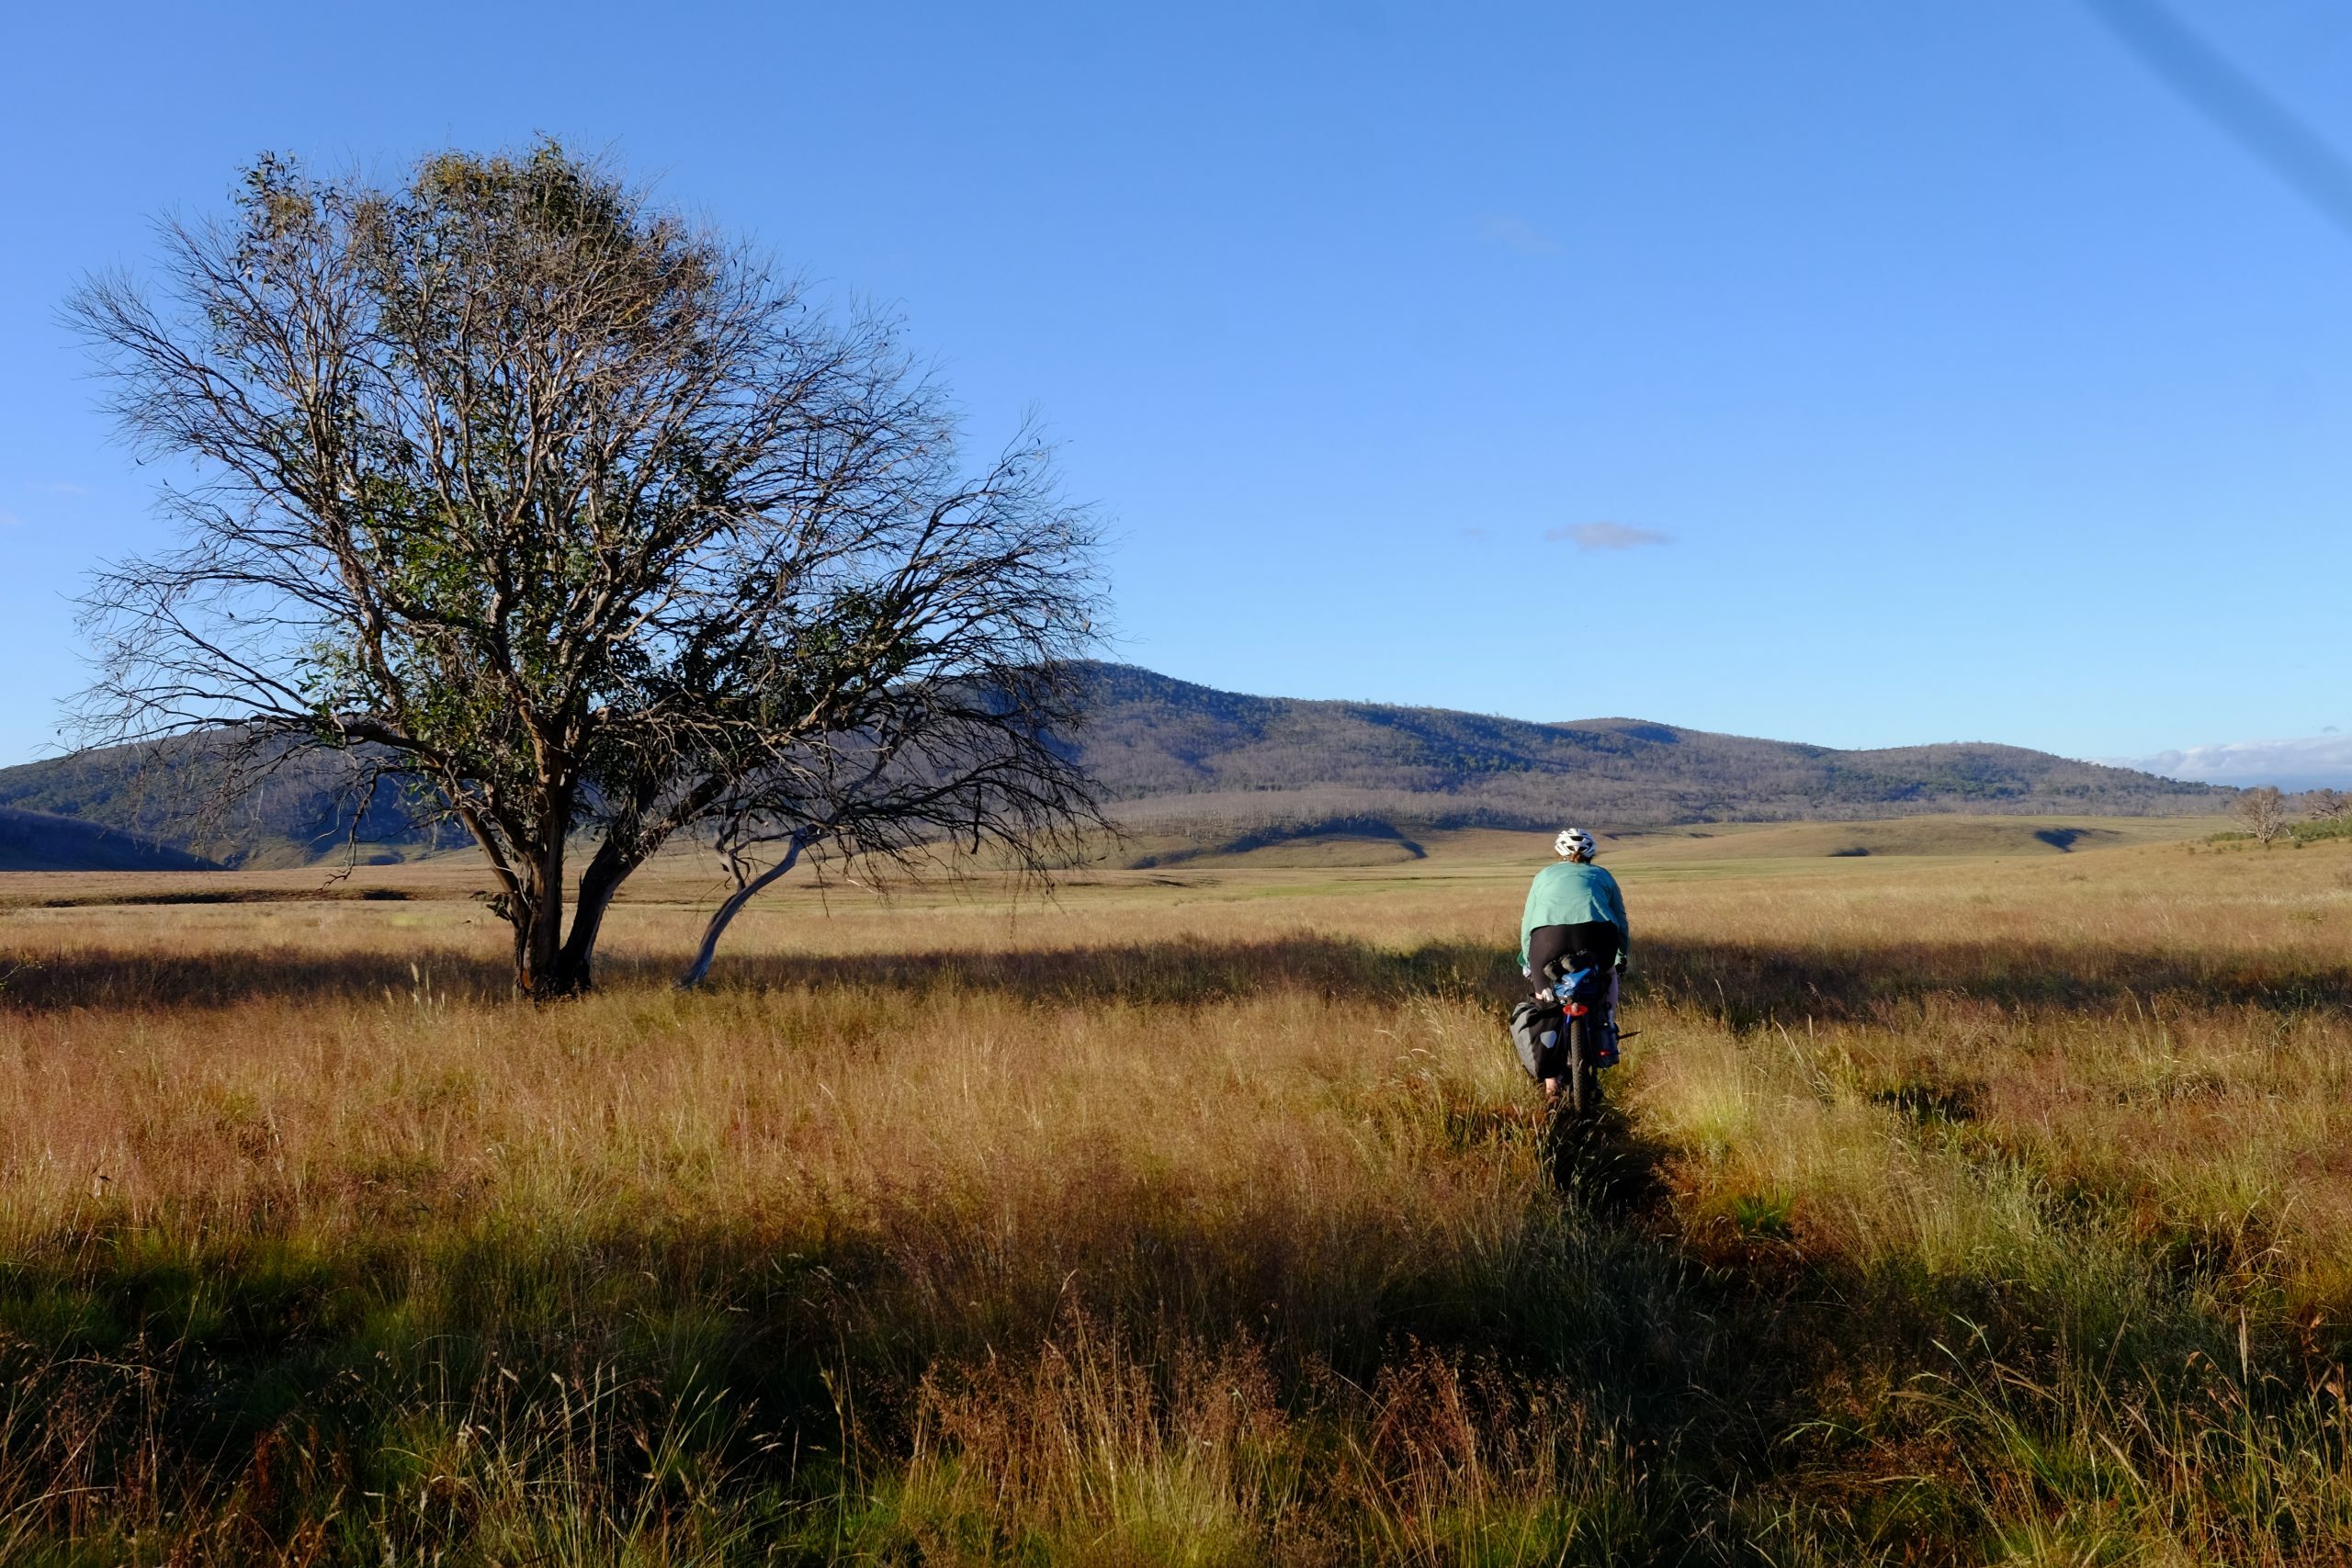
(1178, 973)
(184, 1372)
(188, 1366)
(1607, 1165)
(181, 1371)
(1746, 984)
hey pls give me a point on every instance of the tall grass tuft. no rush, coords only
(1947, 1218)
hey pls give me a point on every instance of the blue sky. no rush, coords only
(1854, 373)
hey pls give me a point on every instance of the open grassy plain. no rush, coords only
(1984, 1196)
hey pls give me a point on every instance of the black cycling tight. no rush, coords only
(1598, 938)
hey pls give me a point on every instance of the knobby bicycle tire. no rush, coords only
(1584, 1079)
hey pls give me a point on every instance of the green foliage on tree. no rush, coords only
(584, 521)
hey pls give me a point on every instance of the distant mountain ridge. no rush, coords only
(1164, 748)
(1177, 757)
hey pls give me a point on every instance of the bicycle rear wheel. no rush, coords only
(1583, 1080)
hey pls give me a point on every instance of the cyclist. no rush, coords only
(1574, 907)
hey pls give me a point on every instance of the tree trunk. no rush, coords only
(575, 966)
(734, 904)
(547, 936)
(540, 972)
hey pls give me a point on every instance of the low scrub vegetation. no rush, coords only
(1956, 1212)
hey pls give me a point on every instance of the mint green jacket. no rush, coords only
(1569, 894)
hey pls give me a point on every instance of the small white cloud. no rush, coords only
(62, 487)
(2313, 762)
(1606, 536)
(1518, 235)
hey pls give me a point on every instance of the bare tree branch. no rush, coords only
(586, 525)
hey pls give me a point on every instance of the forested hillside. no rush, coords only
(1175, 756)
(308, 809)
(1170, 749)
(33, 840)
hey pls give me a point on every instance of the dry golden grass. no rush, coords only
(1964, 1209)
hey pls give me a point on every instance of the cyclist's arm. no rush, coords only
(1527, 923)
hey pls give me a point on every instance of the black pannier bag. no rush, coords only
(1535, 1029)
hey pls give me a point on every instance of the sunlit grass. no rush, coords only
(1972, 1210)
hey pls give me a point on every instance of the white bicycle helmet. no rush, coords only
(1574, 843)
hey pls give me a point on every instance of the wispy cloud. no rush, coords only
(62, 487)
(1518, 235)
(1606, 536)
(2312, 762)
(10, 520)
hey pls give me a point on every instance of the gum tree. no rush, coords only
(2263, 812)
(580, 519)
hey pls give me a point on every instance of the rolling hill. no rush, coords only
(1170, 751)
(34, 841)
(1181, 762)
(168, 794)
